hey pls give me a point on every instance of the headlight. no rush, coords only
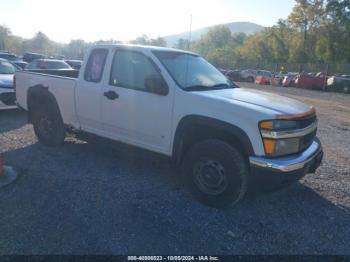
(282, 137)
(330, 81)
(278, 125)
(281, 147)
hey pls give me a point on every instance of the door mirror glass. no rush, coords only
(157, 85)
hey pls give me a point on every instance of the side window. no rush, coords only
(95, 65)
(42, 64)
(130, 69)
(33, 65)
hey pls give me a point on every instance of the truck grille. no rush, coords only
(307, 140)
(303, 123)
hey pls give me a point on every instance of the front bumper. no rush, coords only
(276, 173)
(7, 96)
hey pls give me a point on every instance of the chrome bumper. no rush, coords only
(292, 163)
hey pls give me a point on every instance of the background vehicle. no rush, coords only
(339, 84)
(20, 64)
(13, 59)
(263, 77)
(29, 57)
(289, 80)
(76, 64)
(309, 81)
(234, 75)
(57, 57)
(248, 75)
(8, 56)
(7, 94)
(278, 77)
(48, 64)
(225, 138)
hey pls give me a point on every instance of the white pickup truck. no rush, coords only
(226, 139)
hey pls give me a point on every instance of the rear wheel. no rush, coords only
(215, 173)
(48, 125)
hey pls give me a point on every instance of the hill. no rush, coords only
(235, 27)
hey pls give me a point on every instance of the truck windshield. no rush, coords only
(6, 68)
(192, 72)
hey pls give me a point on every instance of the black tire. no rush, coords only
(215, 162)
(48, 125)
(251, 79)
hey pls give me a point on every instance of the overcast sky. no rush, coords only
(63, 20)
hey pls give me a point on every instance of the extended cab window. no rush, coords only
(131, 69)
(95, 65)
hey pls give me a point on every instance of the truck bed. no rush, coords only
(61, 83)
(71, 73)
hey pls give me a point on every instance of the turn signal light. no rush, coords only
(270, 146)
(266, 125)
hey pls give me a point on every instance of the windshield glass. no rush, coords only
(192, 71)
(6, 68)
(9, 57)
(57, 65)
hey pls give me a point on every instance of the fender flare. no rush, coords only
(240, 135)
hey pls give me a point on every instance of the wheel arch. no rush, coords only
(37, 96)
(194, 128)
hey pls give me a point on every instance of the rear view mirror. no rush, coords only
(157, 85)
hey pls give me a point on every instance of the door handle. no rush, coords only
(111, 95)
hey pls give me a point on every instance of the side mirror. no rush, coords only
(157, 85)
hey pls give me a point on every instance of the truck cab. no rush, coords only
(173, 102)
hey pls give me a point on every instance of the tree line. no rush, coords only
(316, 31)
(75, 49)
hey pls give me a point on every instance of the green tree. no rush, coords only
(183, 44)
(224, 57)
(159, 41)
(217, 37)
(75, 49)
(145, 40)
(5, 34)
(339, 29)
(339, 11)
(39, 43)
(306, 16)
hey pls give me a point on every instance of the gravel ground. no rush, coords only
(96, 198)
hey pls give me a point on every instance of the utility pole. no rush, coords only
(190, 38)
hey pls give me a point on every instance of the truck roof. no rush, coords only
(143, 47)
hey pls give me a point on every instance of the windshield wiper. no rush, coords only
(221, 85)
(196, 88)
(203, 87)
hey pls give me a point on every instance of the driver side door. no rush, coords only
(132, 112)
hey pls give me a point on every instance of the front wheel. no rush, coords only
(48, 125)
(215, 173)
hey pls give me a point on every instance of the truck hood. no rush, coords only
(280, 104)
(6, 81)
